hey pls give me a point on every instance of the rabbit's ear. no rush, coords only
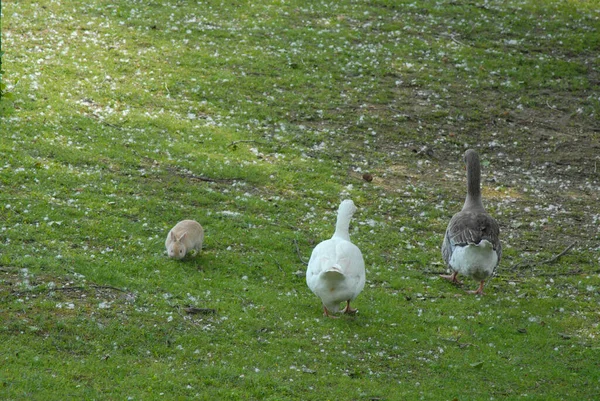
(173, 236)
(182, 236)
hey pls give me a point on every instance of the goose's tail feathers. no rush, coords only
(334, 271)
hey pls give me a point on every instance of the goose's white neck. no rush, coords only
(345, 212)
(342, 227)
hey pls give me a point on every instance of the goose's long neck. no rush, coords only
(341, 227)
(473, 200)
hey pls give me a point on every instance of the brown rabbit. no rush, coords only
(187, 235)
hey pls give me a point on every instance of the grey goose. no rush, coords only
(472, 245)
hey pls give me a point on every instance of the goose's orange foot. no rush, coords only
(478, 291)
(349, 310)
(452, 278)
(327, 314)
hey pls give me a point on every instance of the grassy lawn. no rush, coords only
(256, 119)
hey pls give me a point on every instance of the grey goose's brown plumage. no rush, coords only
(472, 245)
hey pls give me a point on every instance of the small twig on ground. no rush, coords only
(202, 178)
(112, 125)
(509, 279)
(568, 273)
(82, 287)
(411, 261)
(278, 265)
(72, 288)
(555, 258)
(206, 179)
(434, 272)
(298, 252)
(528, 263)
(246, 141)
(454, 39)
(522, 264)
(179, 311)
(200, 311)
(556, 274)
(107, 287)
(458, 343)
(288, 225)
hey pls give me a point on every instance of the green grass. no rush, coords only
(256, 119)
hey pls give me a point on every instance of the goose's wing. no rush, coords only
(350, 259)
(322, 256)
(468, 227)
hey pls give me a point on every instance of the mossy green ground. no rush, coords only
(256, 119)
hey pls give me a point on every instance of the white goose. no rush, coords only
(472, 245)
(336, 269)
